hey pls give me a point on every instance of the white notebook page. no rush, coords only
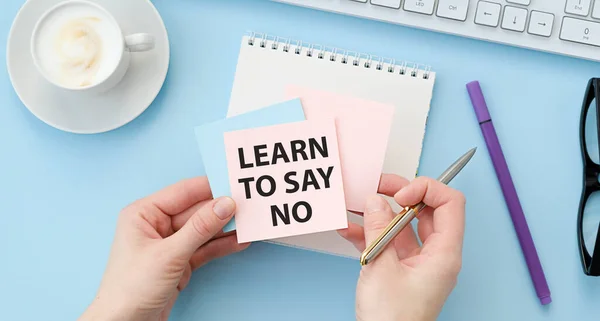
(263, 73)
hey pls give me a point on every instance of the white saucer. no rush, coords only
(89, 114)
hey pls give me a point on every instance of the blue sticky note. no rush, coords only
(212, 147)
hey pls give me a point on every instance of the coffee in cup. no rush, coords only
(78, 45)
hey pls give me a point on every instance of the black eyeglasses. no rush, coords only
(588, 218)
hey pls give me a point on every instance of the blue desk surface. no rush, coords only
(60, 193)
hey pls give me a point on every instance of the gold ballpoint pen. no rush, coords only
(409, 213)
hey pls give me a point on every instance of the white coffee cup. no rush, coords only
(78, 46)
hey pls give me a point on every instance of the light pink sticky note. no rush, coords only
(363, 129)
(286, 180)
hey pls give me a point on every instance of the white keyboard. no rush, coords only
(567, 27)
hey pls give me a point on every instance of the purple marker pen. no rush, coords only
(510, 194)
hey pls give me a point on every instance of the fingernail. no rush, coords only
(375, 204)
(224, 207)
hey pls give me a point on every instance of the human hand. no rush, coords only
(406, 281)
(159, 241)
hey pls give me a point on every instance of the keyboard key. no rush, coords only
(578, 7)
(540, 23)
(596, 11)
(394, 4)
(514, 18)
(523, 2)
(453, 9)
(581, 31)
(488, 13)
(419, 6)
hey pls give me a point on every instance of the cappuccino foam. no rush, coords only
(78, 45)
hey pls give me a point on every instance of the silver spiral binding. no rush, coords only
(339, 55)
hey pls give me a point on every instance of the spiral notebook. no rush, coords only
(267, 65)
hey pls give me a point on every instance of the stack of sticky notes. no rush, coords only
(297, 167)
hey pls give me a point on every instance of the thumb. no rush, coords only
(202, 226)
(378, 214)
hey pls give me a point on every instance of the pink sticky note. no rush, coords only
(363, 129)
(286, 180)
